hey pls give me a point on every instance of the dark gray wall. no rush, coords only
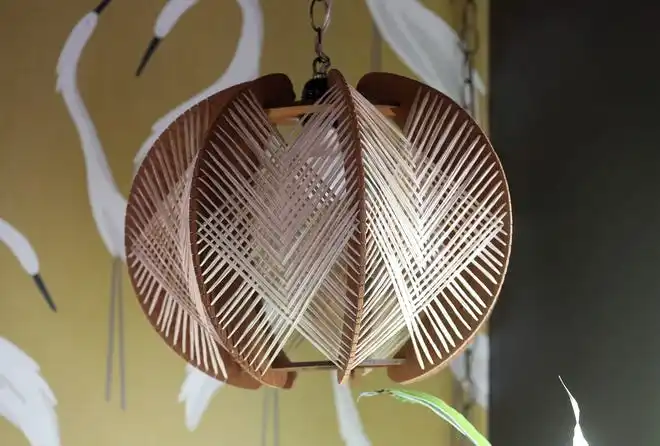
(575, 117)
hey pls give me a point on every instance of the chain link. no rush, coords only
(321, 63)
(469, 43)
(468, 383)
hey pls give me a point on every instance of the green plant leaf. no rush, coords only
(438, 407)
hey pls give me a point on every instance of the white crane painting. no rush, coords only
(243, 67)
(425, 43)
(198, 389)
(108, 205)
(27, 257)
(26, 400)
(196, 392)
(348, 417)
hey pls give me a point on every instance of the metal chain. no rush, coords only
(468, 384)
(469, 42)
(321, 64)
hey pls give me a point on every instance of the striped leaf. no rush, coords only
(439, 407)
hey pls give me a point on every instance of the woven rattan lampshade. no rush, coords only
(378, 229)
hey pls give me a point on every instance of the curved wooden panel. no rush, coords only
(461, 212)
(158, 251)
(353, 257)
(220, 220)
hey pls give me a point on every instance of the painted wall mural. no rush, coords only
(243, 67)
(26, 399)
(21, 248)
(348, 417)
(426, 43)
(254, 37)
(108, 204)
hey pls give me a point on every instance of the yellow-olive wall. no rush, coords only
(43, 193)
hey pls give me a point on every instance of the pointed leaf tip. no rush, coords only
(578, 436)
(440, 408)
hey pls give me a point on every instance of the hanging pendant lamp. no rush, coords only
(378, 228)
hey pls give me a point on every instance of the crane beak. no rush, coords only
(101, 6)
(151, 49)
(44, 291)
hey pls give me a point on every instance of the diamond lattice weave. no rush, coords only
(369, 237)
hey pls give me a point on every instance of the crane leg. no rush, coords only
(276, 417)
(122, 351)
(264, 416)
(111, 335)
(271, 409)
